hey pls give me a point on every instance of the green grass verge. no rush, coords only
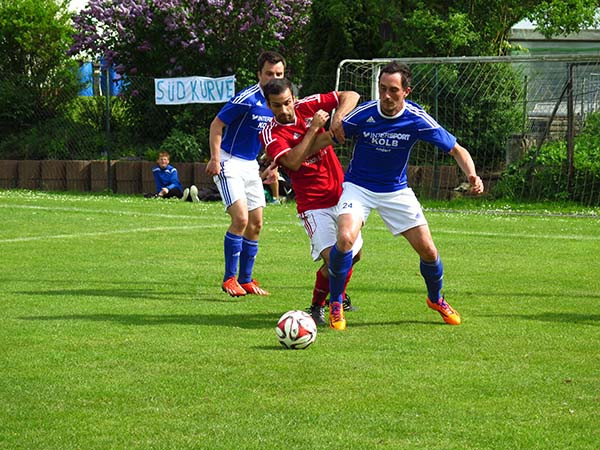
(114, 333)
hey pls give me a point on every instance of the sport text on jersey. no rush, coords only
(315, 159)
(386, 139)
(263, 120)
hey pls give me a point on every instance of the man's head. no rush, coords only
(394, 87)
(270, 65)
(280, 99)
(163, 160)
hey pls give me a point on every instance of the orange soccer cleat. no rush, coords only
(253, 288)
(448, 313)
(233, 288)
(337, 320)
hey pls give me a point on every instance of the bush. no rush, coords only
(57, 138)
(545, 177)
(182, 146)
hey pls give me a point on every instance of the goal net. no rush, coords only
(506, 111)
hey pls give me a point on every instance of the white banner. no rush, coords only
(178, 91)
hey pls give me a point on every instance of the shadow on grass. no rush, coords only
(433, 322)
(136, 293)
(268, 347)
(588, 319)
(246, 321)
(97, 292)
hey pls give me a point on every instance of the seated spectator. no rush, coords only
(167, 181)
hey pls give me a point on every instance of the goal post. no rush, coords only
(359, 75)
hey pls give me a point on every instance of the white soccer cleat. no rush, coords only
(194, 194)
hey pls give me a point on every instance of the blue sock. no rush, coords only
(433, 273)
(247, 257)
(339, 266)
(233, 247)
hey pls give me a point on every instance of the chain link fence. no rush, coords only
(53, 124)
(529, 122)
(519, 117)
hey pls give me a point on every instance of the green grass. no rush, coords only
(114, 333)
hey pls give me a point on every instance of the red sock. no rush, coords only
(347, 281)
(321, 289)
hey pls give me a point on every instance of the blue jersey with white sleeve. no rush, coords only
(383, 144)
(166, 177)
(245, 115)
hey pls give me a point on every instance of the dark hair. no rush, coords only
(398, 67)
(269, 56)
(276, 86)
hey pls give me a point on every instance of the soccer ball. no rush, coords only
(296, 330)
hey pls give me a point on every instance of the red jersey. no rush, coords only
(318, 182)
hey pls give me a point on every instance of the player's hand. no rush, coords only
(319, 120)
(271, 173)
(213, 167)
(337, 130)
(476, 184)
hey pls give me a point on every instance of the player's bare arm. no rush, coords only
(213, 167)
(322, 140)
(347, 102)
(466, 164)
(297, 155)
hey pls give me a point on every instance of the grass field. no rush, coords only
(114, 333)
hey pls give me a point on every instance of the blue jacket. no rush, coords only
(245, 115)
(166, 178)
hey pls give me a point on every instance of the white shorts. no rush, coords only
(400, 210)
(240, 179)
(321, 227)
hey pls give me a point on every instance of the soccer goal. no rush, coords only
(503, 110)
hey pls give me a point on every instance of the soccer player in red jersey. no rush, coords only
(295, 139)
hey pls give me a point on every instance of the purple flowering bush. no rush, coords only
(147, 39)
(169, 38)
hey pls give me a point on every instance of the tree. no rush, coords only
(366, 29)
(340, 29)
(36, 78)
(556, 18)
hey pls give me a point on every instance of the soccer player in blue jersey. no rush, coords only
(234, 147)
(385, 131)
(167, 181)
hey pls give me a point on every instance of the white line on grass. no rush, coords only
(117, 212)
(107, 233)
(213, 225)
(218, 225)
(576, 237)
(437, 230)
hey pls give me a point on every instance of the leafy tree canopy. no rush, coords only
(366, 29)
(555, 18)
(34, 35)
(36, 77)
